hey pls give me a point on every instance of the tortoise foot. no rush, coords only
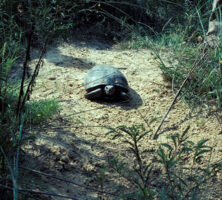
(95, 94)
(124, 96)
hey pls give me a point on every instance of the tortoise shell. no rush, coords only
(102, 75)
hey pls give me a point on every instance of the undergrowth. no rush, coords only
(178, 48)
(176, 169)
(40, 111)
(15, 115)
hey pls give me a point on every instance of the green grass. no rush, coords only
(40, 111)
(176, 55)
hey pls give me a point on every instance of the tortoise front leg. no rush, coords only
(124, 96)
(95, 94)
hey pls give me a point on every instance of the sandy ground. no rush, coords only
(74, 145)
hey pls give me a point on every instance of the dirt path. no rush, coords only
(74, 146)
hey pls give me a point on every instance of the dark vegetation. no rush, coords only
(159, 25)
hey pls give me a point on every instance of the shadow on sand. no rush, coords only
(55, 57)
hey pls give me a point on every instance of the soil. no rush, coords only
(74, 145)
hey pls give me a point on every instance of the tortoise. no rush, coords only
(106, 82)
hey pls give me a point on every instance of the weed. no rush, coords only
(181, 174)
(39, 111)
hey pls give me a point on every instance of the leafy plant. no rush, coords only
(140, 175)
(39, 111)
(181, 174)
(12, 105)
(184, 182)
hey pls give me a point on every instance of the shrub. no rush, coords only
(173, 171)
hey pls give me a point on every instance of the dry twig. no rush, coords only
(196, 63)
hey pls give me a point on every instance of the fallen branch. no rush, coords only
(196, 63)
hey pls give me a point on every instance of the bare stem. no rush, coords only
(155, 136)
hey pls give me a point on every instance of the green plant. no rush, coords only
(180, 39)
(39, 111)
(12, 105)
(178, 163)
(204, 83)
(140, 175)
(7, 116)
(184, 182)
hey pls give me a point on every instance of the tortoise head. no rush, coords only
(109, 90)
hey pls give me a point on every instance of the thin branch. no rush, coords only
(63, 127)
(25, 68)
(39, 192)
(155, 136)
(35, 74)
(67, 181)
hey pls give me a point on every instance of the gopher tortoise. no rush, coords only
(106, 82)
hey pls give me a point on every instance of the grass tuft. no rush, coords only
(39, 111)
